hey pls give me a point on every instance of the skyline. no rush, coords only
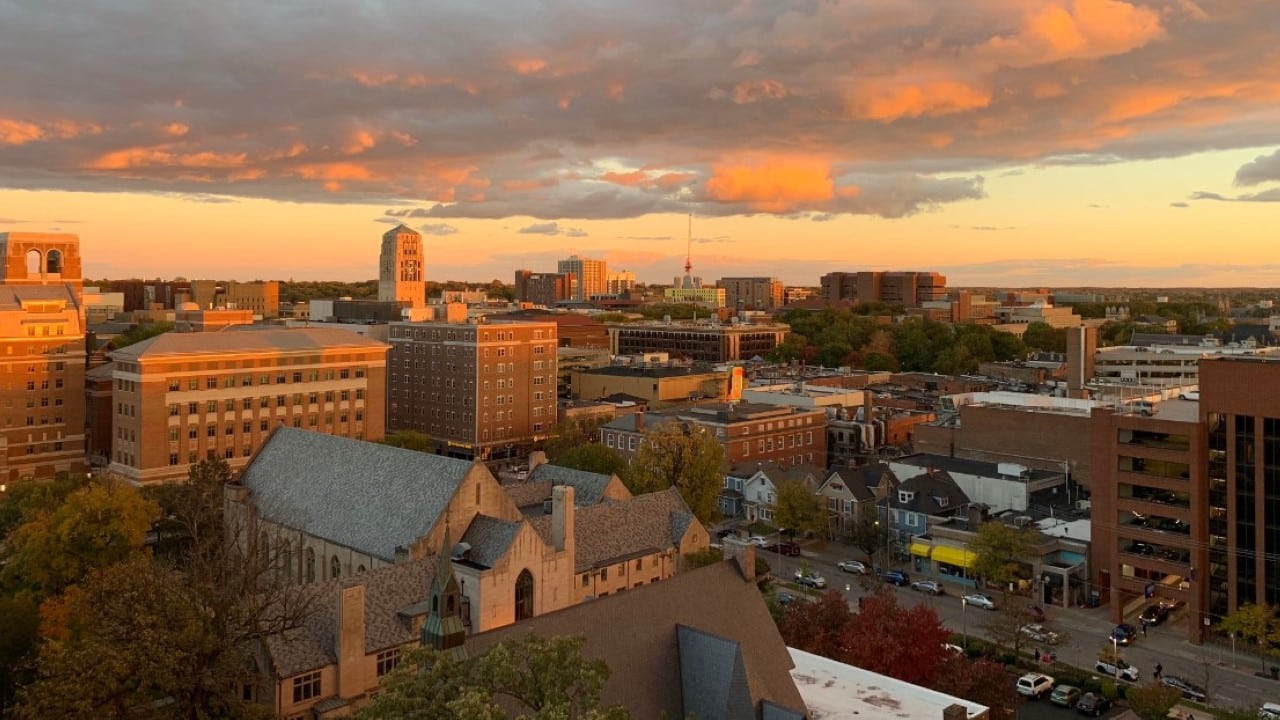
(1008, 142)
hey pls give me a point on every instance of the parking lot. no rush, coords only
(1045, 710)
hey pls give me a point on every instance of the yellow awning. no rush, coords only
(954, 556)
(920, 549)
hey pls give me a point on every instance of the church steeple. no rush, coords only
(443, 629)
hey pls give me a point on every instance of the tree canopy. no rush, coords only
(687, 457)
(1002, 550)
(593, 457)
(139, 332)
(800, 509)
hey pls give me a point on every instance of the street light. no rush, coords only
(964, 622)
(1115, 655)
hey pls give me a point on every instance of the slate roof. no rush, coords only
(524, 494)
(928, 487)
(275, 339)
(362, 495)
(489, 539)
(588, 487)
(617, 530)
(388, 591)
(713, 676)
(637, 633)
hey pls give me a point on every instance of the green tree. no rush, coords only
(704, 557)
(800, 509)
(571, 434)
(1044, 337)
(96, 526)
(138, 333)
(547, 679)
(1002, 552)
(593, 457)
(1256, 624)
(1008, 346)
(408, 439)
(25, 498)
(684, 456)
(1152, 701)
(866, 533)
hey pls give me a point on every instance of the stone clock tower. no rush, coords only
(401, 275)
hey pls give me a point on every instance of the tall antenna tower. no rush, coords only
(688, 256)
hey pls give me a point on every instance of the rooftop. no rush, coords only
(965, 466)
(258, 340)
(836, 691)
(659, 371)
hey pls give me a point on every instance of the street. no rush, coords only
(1228, 679)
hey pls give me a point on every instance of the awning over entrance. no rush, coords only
(954, 556)
(920, 549)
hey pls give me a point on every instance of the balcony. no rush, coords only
(1136, 508)
(1157, 468)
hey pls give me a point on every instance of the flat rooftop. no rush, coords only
(836, 691)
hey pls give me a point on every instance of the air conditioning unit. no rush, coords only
(1084, 504)
(1022, 521)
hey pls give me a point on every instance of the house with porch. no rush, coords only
(852, 493)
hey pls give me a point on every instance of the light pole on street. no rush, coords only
(1115, 655)
(964, 622)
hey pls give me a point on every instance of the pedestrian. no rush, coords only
(1144, 628)
(1159, 671)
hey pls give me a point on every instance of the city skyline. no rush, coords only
(1002, 142)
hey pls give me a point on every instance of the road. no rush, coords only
(1229, 680)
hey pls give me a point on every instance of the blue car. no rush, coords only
(1123, 634)
(895, 577)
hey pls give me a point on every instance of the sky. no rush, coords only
(1000, 142)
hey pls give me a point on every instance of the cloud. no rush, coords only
(1264, 168)
(552, 228)
(409, 212)
(1266, 196)
(1179, 204)
(438, 229)
(939, 97)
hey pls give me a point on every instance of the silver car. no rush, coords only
(927, 586)
(978, 600)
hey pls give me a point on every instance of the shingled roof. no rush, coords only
(362, 495)
(488, 539)
(389, 592)
(616, 530)
(588, 487)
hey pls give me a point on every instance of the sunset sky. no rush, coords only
(1007, 142)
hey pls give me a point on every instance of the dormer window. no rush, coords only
(905, 496)
(942, 501)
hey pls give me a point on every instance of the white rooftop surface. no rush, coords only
(1071, 529)
(836, 691)
(1027, 400)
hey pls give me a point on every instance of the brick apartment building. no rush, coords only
(43, 361)
(181, 397)
(752, 293)
(591, 276)
(478, 390)
(699, 342)
(747, 431)
(544, 288)
(909, 289)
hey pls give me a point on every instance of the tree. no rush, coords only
(1044, 337)
(593, 457)
(703, 557)
(982, 681)
(800, 509)
(96, 526)
(1001, 551)
(408, 439)
(866, 533)
(1152, 701)
(905, 643)
(680, 455)
(1256, 624)
(570, 434)
(548, 679)
(19, 621)
(138, 333)
(818, 627)
(23, 499)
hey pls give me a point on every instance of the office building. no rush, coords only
(700, 342)
(401, 271)
(181, 397)
(908, 289)
(545, 289)
(592, 276)
(261, 298)
(620, 282)
(43, 361)
(478, 390)
(752, 293)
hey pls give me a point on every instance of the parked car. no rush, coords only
(783, 548)
(1269, 711)
(927, 586)
(977, 600)
(1065, 695)
(1119, 669)
(812, 579)
(894, 577)
(1035, 613)
(1039, 633)
(785, 598)
(1154, 614)
(1123, 634)
(1188, 689)
(723, 533)
(1035, 685)
(1093, 704)
(758, 540)
(852, 566)
(953, 648)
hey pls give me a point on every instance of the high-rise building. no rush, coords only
(621, 282)
(543, 288)
(478, 390)
(401, 274)
(43, 360)
(181, 397)
(752, 293)
(909, 289)
(592, 276)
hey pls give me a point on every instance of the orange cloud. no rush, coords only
(527, 66)
(527, 185)
(335, 171)
(642, 179)
(21, 132)
(757, 90)
(176, 129)
(18, 132)
(160, 156)
(415, 80)
(887, 103)
(359, 141)
(776, 185)
(1088, 29)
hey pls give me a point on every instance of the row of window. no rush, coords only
(265, 401)
(38, 367)
(44, 384)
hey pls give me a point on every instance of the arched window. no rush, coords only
(311, 565)
(53, 263)
(34, 261)
(524, 595)
(286, 560)
(360, 568)
(335, 568)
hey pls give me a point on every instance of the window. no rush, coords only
(173, 435)
(212, 406)
(193, 408)
(306, 686)
(335, 567)
(174, 385)
(389, 659)
(310, 564)
(211, 383)
(173, 409)
(586, 579)
(604, 574)
(524, 595)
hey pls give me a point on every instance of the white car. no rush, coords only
(1119, 669)
(981, 601)
(758, 540)
(852, 566)
(1035, 685)
(813, 580)
(1039, 633)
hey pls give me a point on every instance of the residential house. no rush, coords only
(917, 499)
(751, 489)
(851, 492)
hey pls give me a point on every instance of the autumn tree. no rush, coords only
(593, 457)
(818, 627)
(24, 499)
(547, 679)
(1152, 701)
(799, 509)
(682, 455)
(983, 681)
(865, 533)
(905, 643)
(1256, 624)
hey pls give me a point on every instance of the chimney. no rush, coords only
(351, 642)
(955, 711)
(536, 458)
(639, 421)
(562, 518)
(744, 553)
(868, 406)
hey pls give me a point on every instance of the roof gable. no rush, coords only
(618, 530)
(712, 676)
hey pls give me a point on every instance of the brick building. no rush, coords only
(478, 390)
(909, 289)
(181, 397)
(592, 276)
(699, 342)
(544, 288)
(746, 431)
(752, 293)
(43, 361)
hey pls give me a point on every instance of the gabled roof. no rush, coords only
(638, 634)
(488, 539)
(930, 486)
(362, 495)
(588, 487)
(617, 530)
(861, 481)
(713, 676)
